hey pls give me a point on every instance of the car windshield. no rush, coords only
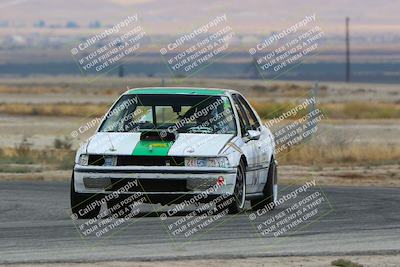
(175, 113)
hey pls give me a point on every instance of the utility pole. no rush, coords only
(347, 50)
(121, 71)
(311, 123)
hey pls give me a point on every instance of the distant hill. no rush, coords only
(176, 16)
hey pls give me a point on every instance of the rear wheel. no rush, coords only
(239, 195)
(268, 191)
(80, 204)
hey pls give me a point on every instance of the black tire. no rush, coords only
(80, 201)
(268, 191)
(238, 200)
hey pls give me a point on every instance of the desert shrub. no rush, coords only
(64, 143)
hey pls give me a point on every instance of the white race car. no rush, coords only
(171, 144)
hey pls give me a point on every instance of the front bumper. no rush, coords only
(156, 181)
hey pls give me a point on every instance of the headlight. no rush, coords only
(84, 160)
(110, 161)
(220, 162)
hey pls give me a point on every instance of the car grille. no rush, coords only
(151, 185)
(98, 160)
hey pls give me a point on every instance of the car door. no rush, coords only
(248, 147)
(262, 146)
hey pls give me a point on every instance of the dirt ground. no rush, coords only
(312, 261)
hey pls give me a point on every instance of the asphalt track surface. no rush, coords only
(35, 227)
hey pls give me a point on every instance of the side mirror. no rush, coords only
(253, 135)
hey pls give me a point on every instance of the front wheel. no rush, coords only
(238, 198)
(81, 204)
(268, 192)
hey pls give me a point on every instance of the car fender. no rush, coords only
(233, 152)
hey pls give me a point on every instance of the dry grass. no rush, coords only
(269, 110)
(65, 85)
(358, 110)
(48, 159)
(115, 86)
(345, 263)
(281, 89)
(56, 89)
(13, 89)
(351, 110)
(361, 154)
(266, 110)
(77, 110)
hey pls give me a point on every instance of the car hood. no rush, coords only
(186, 144)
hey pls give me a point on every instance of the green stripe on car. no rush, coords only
(174, 91)
(152, 148)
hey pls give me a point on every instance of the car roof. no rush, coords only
(179, 90)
